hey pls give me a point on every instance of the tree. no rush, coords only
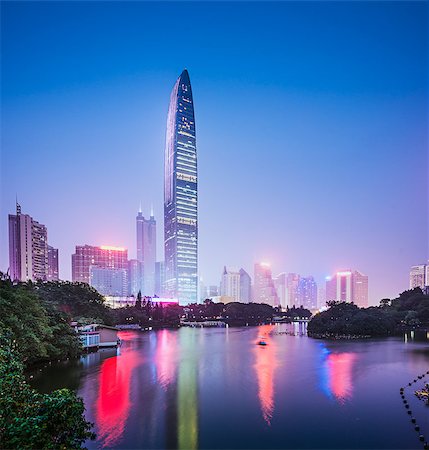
(29, 419)
(138, 303)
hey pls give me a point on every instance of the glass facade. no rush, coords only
(180, 196)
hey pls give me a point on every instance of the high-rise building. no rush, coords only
(264, 290)
(159, 278)
(360, 289)
(134, 277)
(108, 281)
(180, 195)
(105, 257)
(419, 276)
(146, 250)
(212, 291)
(280, 283)
(28, 248)
(230, 284)
(245, 287)
(348, 286)
(52, 264)
(307, 292)
(292, 289)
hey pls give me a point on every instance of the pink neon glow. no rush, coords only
(165, 357)
(113, 403)
(110, 247)
(164, 300)
(340, 367)
(265, 366)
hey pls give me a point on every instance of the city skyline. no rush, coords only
(333, 139)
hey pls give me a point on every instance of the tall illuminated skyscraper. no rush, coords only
(180, 196)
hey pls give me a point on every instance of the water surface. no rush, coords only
(215, 388)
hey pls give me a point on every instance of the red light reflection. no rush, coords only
(340, 367)
(265, 366)
(165, 357)
(113, 403)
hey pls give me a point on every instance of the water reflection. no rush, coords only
(187, 395)
(336, 376)
(113, 403)
(265, 365)
(165, 357)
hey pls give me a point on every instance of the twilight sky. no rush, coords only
(312, 129)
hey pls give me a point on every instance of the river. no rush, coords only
(216, 388)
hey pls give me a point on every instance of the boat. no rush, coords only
(262, 342)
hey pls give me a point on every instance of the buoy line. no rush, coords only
(409, 412)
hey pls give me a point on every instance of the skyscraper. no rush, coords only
(28, 248)
(348, 286)
(146, 251)
(245, 287)
(419, 276)
(307, 292)
(280, 283)
(292, 289)
(52, 264)
(180, 195)
(230, 283)
(264, 290)
(134, 276)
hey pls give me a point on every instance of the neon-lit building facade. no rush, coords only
(105, 257)
(180, 196)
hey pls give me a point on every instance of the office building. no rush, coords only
(307, 293)
(28, 248)
(245, 287)
(135, 277)
(146, 250)
(230, 284)
(419, 276)
(180, 196)
(52, 264)
(280, 283)
(348, 286)
(104, 257)
(292, 289)
(264, 290)
(159, 278)
(108, 281)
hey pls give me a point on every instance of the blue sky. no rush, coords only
(311, 129)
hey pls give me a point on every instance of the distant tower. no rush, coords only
(264, 290)
(230, 284)
(52, 264)
(348, 286)
(180, 196)
(146, 251)
(28, 248)
(307, 292)
(418, 276)
(245, 287)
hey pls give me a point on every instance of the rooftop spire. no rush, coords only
(140, 208)
(18, 206)
(151, 210)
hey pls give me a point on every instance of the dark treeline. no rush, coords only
(408, 311)
(34, 328)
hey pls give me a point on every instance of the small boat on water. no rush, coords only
(262, 342)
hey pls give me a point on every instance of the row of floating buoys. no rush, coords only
(409, 412)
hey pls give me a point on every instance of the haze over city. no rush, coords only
(310, 157)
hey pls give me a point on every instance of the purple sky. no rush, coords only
(311, 129)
